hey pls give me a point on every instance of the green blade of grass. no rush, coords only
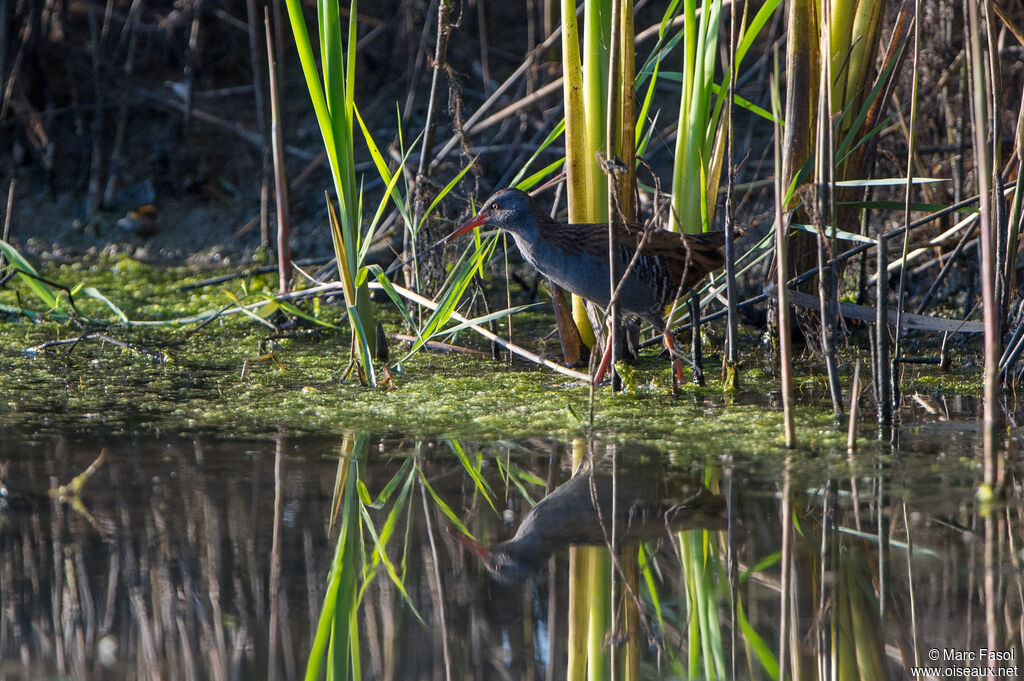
(761, 649)
(473, 469)
(245, 310)
(389, 289)
(480, 321)
(382, 168)
(528, 183)
(453, 295)
(29, 275)
(95, 293)
(296, 311)
(833, 232)
(444, 192)
(445, 508)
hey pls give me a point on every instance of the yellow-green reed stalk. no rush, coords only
(701, 563)
(579, 588)
(699, 558)
(621, 124)
(834, 41)
(337, 633)
(851, 50)
(584, 84)
(334, 103)
(590, 114)
(600, 609)
(868, 647)
(802, 69)
(596, 35)
(854, 27)
(699, 144)
(630, 666)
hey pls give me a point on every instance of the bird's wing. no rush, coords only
(688, 257)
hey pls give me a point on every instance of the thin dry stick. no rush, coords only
(610, 134)
(7, 219)
(130, 30)
(782, 272)
(523, 68)
(786, 552)
(910, 581)
(827, 587)
(435, 573)
(485, 68)
(275, 562)
(93, 197)
(883, 535)
(732, 319)
(950, 260)
(444, 12)
(824, 213)
(882, 368)
(261, 113)
(73, 342)
(993, 472)
(908, 195)
(190, 55)
(284, 249)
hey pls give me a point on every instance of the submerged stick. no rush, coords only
(910, 321)
(695, 344)
(851, 432)
(883, 370)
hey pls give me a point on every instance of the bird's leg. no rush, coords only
(677, 366)
(606, 361)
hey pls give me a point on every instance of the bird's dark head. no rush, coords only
(505, 562)
(507, 209)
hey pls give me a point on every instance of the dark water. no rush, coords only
(205, 557)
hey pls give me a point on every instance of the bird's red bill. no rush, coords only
(473, 545)
(479, 220)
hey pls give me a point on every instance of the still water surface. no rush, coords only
(200, 556)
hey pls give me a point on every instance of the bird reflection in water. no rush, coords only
(648, 505)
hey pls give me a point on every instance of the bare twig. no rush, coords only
(284, 248)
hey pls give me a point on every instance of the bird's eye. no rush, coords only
(494, 206)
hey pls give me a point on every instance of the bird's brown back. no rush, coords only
(686, 257)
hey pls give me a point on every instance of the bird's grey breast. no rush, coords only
(576, 270)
